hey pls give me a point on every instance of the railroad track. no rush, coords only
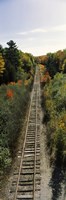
(26, 186)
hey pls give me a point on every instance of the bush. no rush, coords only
(5, 159)
(13, 103)
(55, 108)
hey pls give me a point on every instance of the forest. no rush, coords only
(17, 71)
(53, 84)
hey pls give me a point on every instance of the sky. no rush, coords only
(37, 26)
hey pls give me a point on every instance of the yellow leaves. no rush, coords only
(2, 63)
(12, 83)
(43, 59)
(41, 67)
(63, 90)
(26, 82)
(65, 86)
(64, 118)
(62, 123)
(48, 102)
(49, 105)
(46, 93)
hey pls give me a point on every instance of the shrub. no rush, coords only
(55, 108)
(13, 103)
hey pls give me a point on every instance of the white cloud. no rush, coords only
(22, 33)
(38, 30)
(58, 28)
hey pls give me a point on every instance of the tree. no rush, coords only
(12, 62)
(12, 44)
(2, 68)
(63, 68)
(12, 54)
(1, 49)
(26, 62)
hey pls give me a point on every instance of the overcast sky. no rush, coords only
(37, 26)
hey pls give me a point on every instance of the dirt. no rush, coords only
(45, 168)
(53, 178)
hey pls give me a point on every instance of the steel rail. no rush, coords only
(15, 197)
(35, 152)
(31, 139)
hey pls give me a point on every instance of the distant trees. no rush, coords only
(54, 62)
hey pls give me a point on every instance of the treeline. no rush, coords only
(54, 62)
(13, 63)
(17, 71)
(53, 83)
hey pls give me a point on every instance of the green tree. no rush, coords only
(63, 67)
(12, 54)
(26, 62)
(1, 49)
(12, 62)
(10, 73)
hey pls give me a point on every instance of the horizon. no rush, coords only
(4, 46)
(36, 26)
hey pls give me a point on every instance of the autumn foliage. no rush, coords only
(17, 71)
(19, 82)
(44, 75)
(45, 78)
(2, 64)
(9, 93)
(53, 82)
(55, 116)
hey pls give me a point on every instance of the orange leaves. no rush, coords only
(12, 83)
(19, 82)
(9, 93)
(46, 77)
(44, 74)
